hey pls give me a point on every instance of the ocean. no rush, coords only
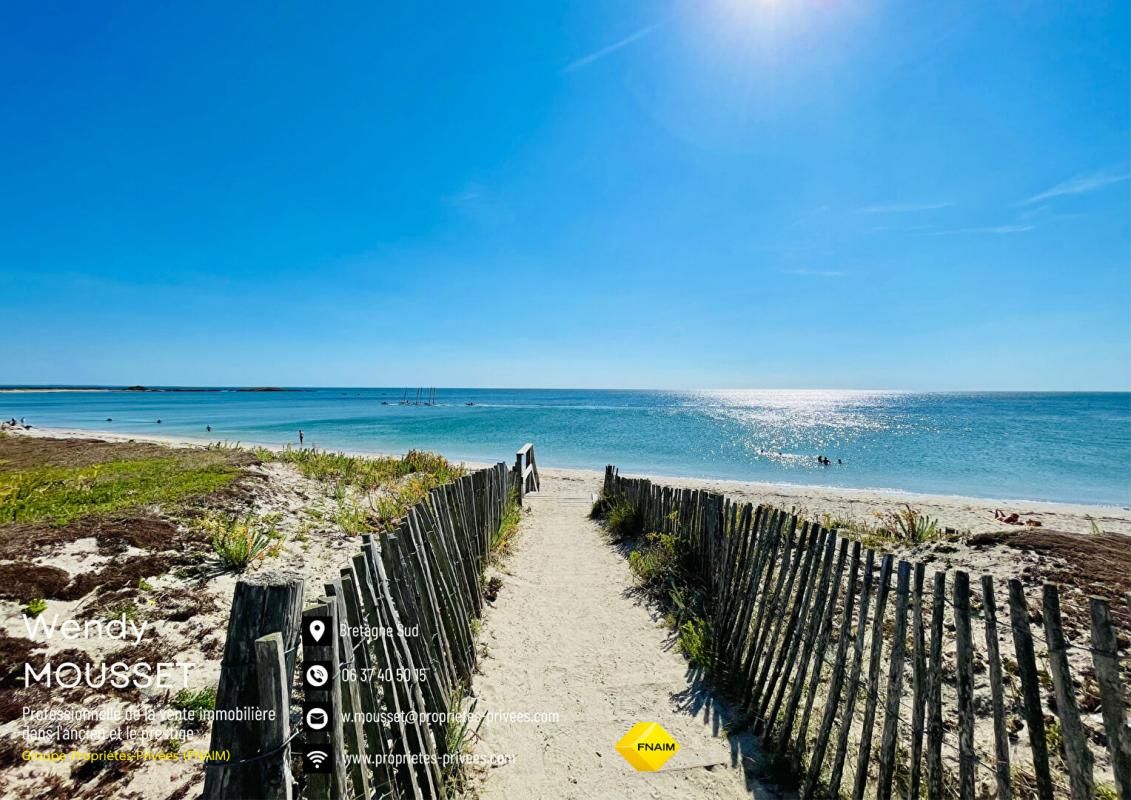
(1068, 447)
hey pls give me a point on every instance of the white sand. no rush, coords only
(566, 637)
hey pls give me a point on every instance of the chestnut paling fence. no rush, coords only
(861, 688)
(400, 651)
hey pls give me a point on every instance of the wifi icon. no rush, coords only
(317, 761)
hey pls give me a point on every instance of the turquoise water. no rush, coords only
(1072, 447)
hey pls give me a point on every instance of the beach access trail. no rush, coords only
(567, 635)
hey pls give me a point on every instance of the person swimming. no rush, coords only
(208, 428)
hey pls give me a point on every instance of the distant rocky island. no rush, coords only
(140, 388)
(191, 389)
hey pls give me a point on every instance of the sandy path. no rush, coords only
(566, 637)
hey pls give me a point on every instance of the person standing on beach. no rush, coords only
(300, 438)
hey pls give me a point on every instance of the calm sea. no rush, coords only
(1072, 447)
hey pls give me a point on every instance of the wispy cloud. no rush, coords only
(994, 230)
(901, 208)
(818, 273)
(1081, 184)
(597, 55)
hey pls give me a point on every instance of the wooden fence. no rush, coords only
(394, 636)
(526, 471)
(859, 692)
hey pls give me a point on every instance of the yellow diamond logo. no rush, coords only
(647, 746)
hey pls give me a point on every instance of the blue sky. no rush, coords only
(720, 193)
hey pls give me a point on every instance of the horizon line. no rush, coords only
(266, 386)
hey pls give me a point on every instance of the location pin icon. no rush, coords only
(317, 628)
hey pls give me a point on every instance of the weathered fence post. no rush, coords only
(822, 647)
(997, 694)
(919, 680)
(895, 684)
(1105, 657)
(836, 682)
(262, 604)
(854, 680)
(965, 654)
(934, 691)
(384, 780)
(1030, 687)
(1076, 752)
(275, 702)
(350, 694)
(394, 693)
(872, 687)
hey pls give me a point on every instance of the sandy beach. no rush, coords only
(964, 514)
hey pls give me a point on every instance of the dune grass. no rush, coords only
(59, 494)
(194, 701)
(239, 541)
(508, 526)
(906, 525)
(370, 473)
(388, 486)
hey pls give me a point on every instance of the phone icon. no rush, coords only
(317, 675)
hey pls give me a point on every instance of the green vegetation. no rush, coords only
(508, 526)
(1053, 738)
(352, 518)
(623, 521)
(173, 745)
(459, 736)
(36, 607)
(659, 561)
(910, 525)
(126, 609)
(369, 474)
(1105, 791)
(907, 526)
(395, 502)
(200, 700)
(695, 641)
(600, 508)
(391, 486)
(59, 494)
(240, 541)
